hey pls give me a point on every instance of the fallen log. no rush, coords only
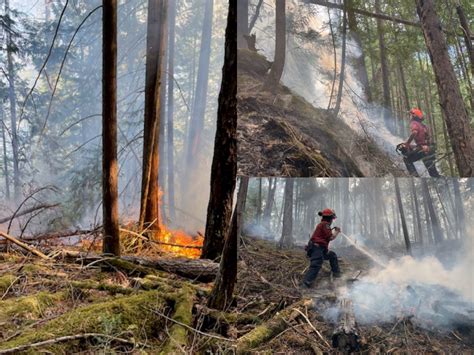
(196, 269)
(24, 246)
(59, 235)
(268, 330)
(346, 337)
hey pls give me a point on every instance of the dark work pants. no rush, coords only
(317, 256)
(428, 159)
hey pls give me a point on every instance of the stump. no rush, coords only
(346, 337)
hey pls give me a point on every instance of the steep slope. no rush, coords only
(281, 134)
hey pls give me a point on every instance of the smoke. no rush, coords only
(429, 293)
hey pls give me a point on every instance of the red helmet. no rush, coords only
(417, 113)
(327, 212)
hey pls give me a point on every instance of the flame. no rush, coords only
(178, 242)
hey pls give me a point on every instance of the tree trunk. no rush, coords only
(161, 167)
(466, 34)
(200, 96)
(242, 23)
(385, 72)
(149, 211)
(402, 217)
(459, 209)
(224, 163)
(451, 101)
(221, 294)
(343, 63)
(437, 236)
(111, 243)
(276, 71)
(270, 199)
(255, 16)
(5, 157)
(259, 201)
(417, 211)
(287, 229)
(170, 113)
(12, 98)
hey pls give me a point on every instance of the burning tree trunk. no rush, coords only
(224, 162)
(451, 101)
(276, 71)
(287, 229)
(170, 113)
(111, 243)
(402, 217)
(12, 98)
(149, 211)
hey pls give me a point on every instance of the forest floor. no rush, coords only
(270, 282)
(77, 302)
(281, 134)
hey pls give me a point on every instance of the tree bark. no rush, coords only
(451, 101)
(287, 229)
(402, 217)
(149, 211)
(170, 113)
(278, 65)
(111, 243)
(12, 98)
(224, 163)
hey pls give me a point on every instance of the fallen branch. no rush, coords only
(59, 235)
(141, 236)
(269, 329)
(68, 338)
(24, 245)
(28, 210)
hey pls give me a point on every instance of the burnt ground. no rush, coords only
(281, 134)
(269, 282)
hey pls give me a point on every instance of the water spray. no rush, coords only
(363, 250)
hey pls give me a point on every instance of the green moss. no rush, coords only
(5, 282)
(91, 285)
(131, 314)
(183, 313)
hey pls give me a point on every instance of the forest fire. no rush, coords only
(179, 243)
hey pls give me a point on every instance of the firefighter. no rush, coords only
(317, 249)
(423, 149)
